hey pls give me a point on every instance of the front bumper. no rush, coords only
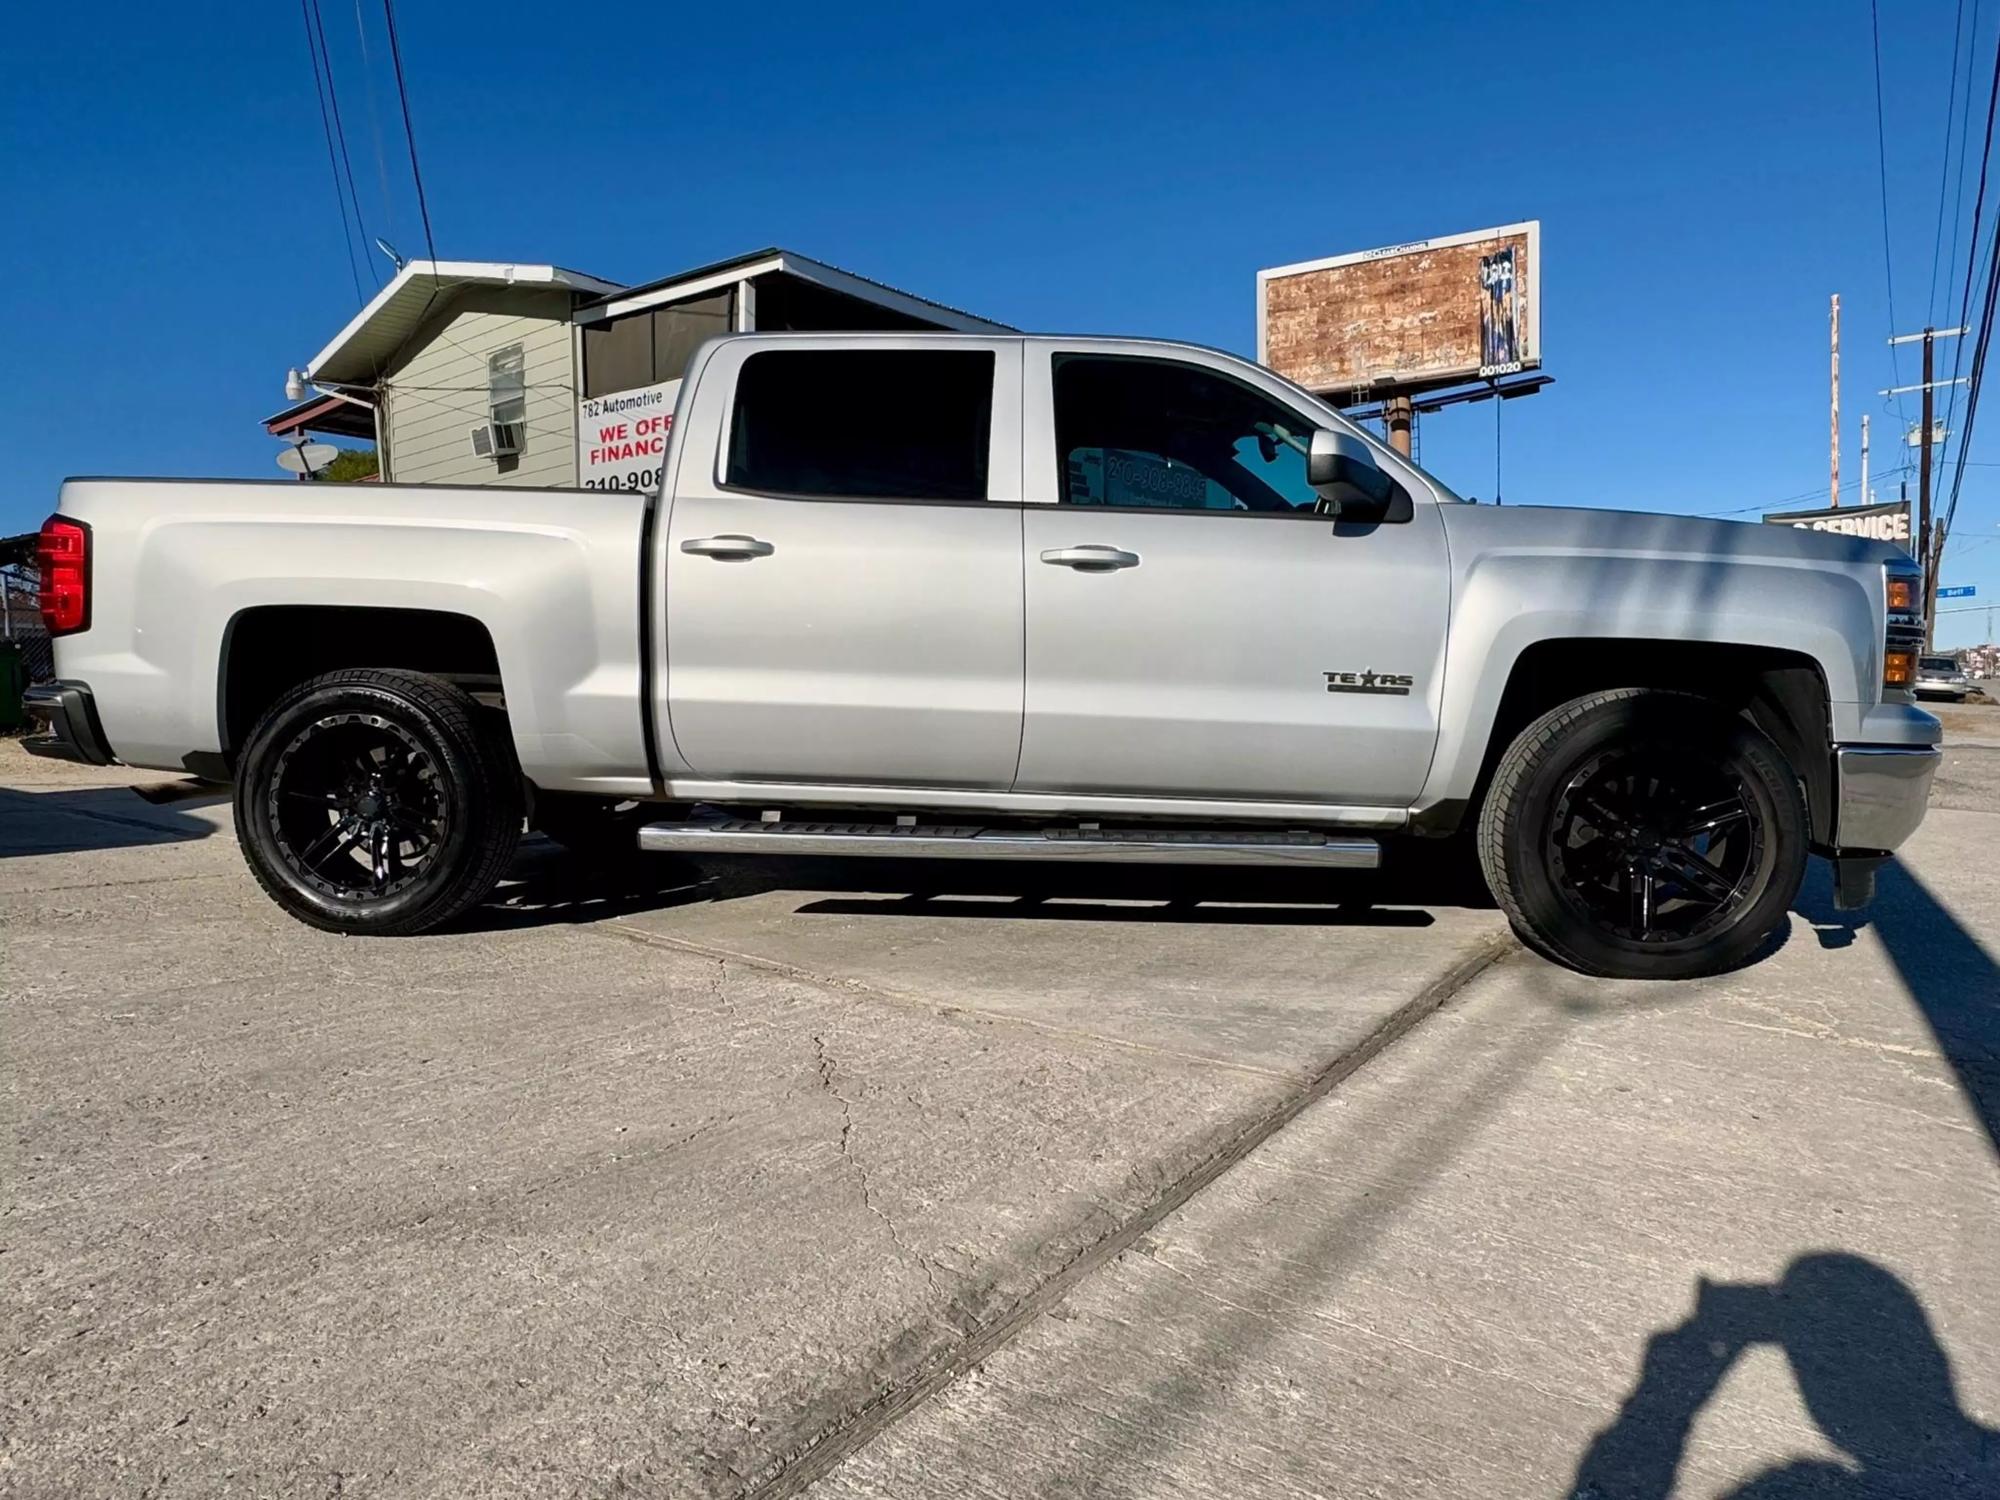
(1881, 794)
(70, 730)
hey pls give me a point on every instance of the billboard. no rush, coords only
(1879, 523)
(1407, 317)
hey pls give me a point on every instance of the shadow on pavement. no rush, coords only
(548, 885)
(93, 818)
(1947, 971)
(1868, 1367)
(1295, 1259)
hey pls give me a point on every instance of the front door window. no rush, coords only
(1157, 435)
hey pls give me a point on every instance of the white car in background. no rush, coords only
(1942, 677)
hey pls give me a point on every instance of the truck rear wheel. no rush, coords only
(1643, 834)
(373, 801)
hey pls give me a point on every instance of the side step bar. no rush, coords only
(1125, 845)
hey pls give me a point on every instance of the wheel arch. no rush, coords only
(1783, 692)
(270, 648)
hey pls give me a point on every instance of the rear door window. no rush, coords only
(863, 424)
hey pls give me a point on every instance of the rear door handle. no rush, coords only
(728, 548)
(1091, 558)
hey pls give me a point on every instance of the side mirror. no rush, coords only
(1350, 482)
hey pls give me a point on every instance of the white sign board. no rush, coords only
(621, 438)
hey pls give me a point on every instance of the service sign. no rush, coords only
(1879, 523)
(621, 438)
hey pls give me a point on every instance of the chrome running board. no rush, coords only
(972, 841)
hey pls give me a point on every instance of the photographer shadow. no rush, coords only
(1869, 1369)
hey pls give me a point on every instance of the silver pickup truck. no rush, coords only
(1005, 598)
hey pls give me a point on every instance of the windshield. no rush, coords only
(1937, 664)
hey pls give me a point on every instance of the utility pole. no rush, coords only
(1924, 549)
(1928, 548)
(1864, 459)
(1833, 426)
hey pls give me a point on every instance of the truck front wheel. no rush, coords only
(374, 801)
(1643, 834)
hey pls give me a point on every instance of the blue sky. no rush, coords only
(1705, 175)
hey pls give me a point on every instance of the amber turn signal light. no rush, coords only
(1899, 669)
(1902, 596)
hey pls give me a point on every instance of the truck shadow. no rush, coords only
(1948, 973)
(550, 885)
(90, 819)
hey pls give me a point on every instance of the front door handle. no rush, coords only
(728, 548)
(1091, 558)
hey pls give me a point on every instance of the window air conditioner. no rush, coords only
(496, 440)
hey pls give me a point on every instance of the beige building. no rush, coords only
(478, 372)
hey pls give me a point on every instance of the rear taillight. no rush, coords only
(63, 554)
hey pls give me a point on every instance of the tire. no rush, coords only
(1643, 834)
(374, 801)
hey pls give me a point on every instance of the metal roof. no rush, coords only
(787, 262)
(371, 338)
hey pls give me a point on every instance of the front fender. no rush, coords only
(1508, 601)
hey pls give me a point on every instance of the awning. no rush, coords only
(331, 416)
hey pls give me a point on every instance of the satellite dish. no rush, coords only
(307, 458)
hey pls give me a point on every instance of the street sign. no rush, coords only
(1968, 591)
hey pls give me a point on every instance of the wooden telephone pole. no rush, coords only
(1928, 549)
(1833, 424)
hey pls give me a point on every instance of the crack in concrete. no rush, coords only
(957, 1011)
(818, 1452)
(824, 1063)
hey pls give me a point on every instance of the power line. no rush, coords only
(339, 130)
(1944, 167)
(1882, 174)
(1973, 257)
(1985, 337)
(403, 96)
(332, 161)
(375, 120)
(1964, 129)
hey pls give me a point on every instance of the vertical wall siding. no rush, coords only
(438, 393)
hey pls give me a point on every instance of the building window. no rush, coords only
(652, 347)
(507, 394)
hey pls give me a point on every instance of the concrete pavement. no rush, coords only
(652, 1188)
(1739, 1236)
(907, 1181)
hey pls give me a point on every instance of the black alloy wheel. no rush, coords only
(377, 801)
(356, 807)
(1655, 850)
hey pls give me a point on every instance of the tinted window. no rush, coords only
(890, 424)
(1159, 435)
